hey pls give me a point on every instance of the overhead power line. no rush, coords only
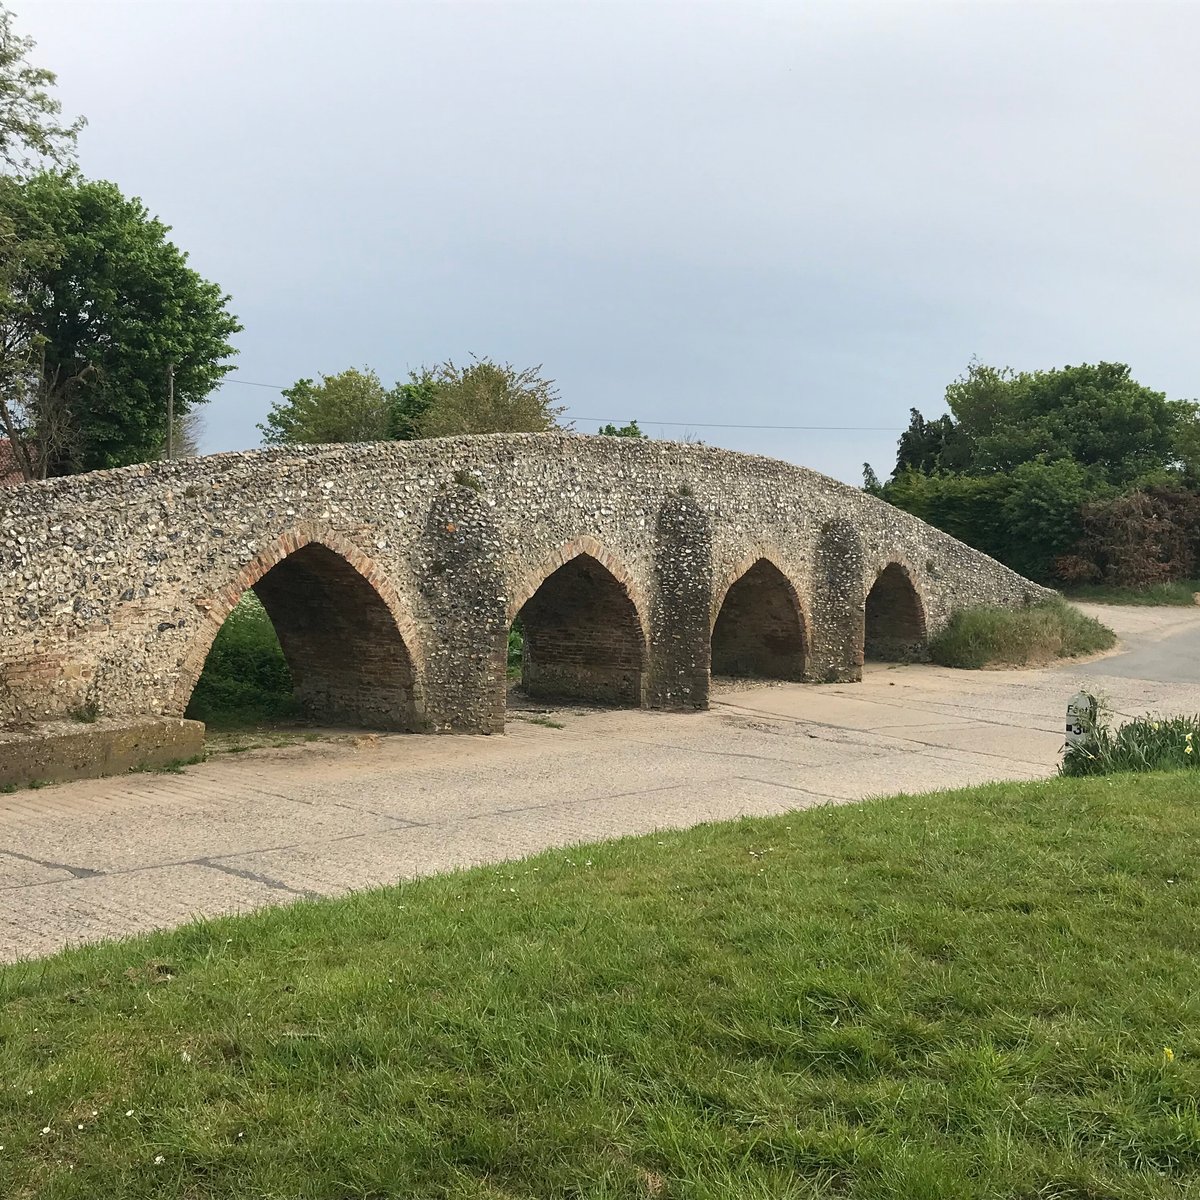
(673, 424)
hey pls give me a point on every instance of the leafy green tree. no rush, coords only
(1043, 513)
(410, 402)
(94, 321)
(352, 406)
(1096, 415)
(488, 397)
(1186, 449)
(31, 130)
(968, 507)
(31, 134)
(627, 431)
(929, 446)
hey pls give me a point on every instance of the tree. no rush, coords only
(410, 403)
(937, 445)
(488, 397)
(627, 431)
(31, 132)
(189, 430)
(1043, 512)
(92, 322)
(352, 406)
(1096, 415)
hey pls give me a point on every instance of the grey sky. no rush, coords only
(776, 214)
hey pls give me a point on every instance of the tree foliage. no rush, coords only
(489, 397)
(937, 445)
(32, 132)
(1094, 414)
(632, 430)
(92, 321)
(1020, 457)
(354, 406)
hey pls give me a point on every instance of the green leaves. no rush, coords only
(1097, 415)
(353, 406)
(111, 304)
(1011, 467)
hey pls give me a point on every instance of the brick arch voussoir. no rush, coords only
(217, 606)
(880, 563)
(762, 553)
(567, 552)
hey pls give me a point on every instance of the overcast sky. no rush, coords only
(735, 213)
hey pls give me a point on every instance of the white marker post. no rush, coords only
(1081, 719)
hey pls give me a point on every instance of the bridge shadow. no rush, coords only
(759, 632)
(339, 651)
(581, 638)
(894, 624)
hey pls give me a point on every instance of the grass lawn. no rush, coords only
(985, 993)
(1182, 592)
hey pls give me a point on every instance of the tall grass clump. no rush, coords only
(1143, 744)
(1037, 633)
(246, 680)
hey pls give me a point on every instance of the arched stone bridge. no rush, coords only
(393, 572)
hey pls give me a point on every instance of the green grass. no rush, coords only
(945, 997)
(516, 649)
(1143, 744)
(245, 681)
(1028, 636)
(1181, 593)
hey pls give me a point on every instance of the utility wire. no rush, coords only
(673, 424)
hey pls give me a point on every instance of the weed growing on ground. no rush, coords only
(1036, 633)
(548, 722)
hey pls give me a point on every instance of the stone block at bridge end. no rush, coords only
(58, 751)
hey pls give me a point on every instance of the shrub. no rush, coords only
(1144, 744)
(1138, 540)
(1181, 593)
(1038, 633)
(968, 507)
(516, 650)
(246, 679)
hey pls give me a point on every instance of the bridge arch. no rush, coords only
(583, 623)
(352, 649)
(894, 624)
(759, 626)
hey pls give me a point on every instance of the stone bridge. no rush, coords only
(393, 572)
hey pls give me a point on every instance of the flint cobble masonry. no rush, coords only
(393, 571)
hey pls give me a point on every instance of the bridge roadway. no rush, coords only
(103, 858)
